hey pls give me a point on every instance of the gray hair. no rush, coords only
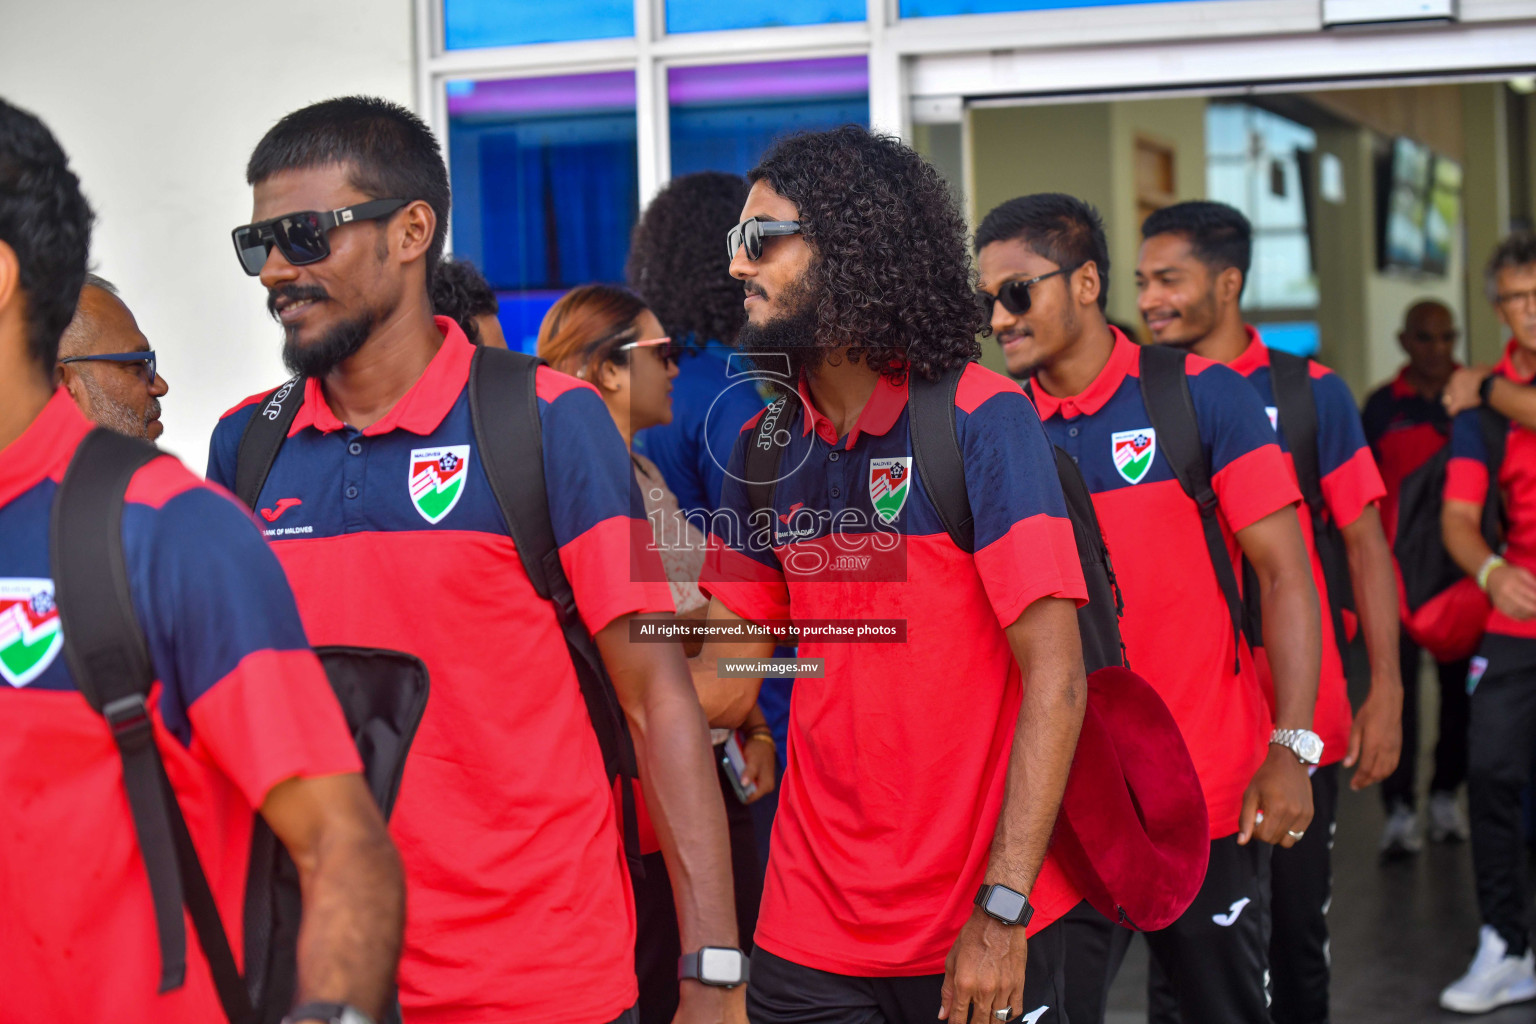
(1518, 250)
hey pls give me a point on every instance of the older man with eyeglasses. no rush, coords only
(107, 366)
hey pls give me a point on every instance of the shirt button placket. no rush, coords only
(352, 483)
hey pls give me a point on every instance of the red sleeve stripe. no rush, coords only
(1254, 485)
(252, 400)
(977, 384)
(615, 571)
(549, 383)
(1353, 487)
(1466, 480)
(1036, 558)
(273, 718)
(160, 481)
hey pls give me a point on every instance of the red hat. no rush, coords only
(1133, 835)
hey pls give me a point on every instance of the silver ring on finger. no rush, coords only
(1294, 835)
(1004, 1013)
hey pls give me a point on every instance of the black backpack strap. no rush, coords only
(936, 452)
(263, 436)
(504, 408)
(1171, 408)
(108, 657)
(764, 452)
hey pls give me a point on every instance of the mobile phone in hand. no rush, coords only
(735, 766)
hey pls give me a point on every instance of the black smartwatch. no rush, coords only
(719, 966)
(1004, 904)
(330, 1013)
(1486, 387)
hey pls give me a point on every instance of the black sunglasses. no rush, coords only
(302, 237)
(665, 348)
(145, 359)
(750, 233)
(1015, 295)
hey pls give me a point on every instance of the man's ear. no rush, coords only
(412, 230)
(10, 277)
(1229, 285)
(1088, 284)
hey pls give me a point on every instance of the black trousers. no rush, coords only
(1451, 741)
(1499, 768)
(657, 943)
(782, 992)
(1211, 966)
(1301, 886)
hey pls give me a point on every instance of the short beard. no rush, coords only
(111, 414)
(331, 349)
(787, 337)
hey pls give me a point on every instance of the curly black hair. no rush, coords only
(675, 257)
(460, 291)
(890, 268)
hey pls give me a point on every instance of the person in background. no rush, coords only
(1406, 423)
(607, 337)
(1194, 265)
(674, 266)
(460, 291)
(1500, 681)
(107, 366)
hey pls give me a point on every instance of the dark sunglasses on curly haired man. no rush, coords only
(302, 237)
(750, 234)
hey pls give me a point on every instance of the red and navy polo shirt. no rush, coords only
(1466, 479)
(1176, 627)
(1405, 430)
(1351, 484)
(520, 905)
(897, 759)
(239, 704)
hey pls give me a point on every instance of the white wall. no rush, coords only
(159, 105)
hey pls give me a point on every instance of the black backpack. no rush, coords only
(383, 695)
(941, 469)
(1427, 568)
(1165, 391)
(504, 411)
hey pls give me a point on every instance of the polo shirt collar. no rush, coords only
(1400, 387)
(421, 410)
(1507, 365)
(44, 449)
(1122, 358)
(1254, 357)
(879, 414)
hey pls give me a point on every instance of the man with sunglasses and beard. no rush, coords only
(1044, 272)
(107, 366)
(382, 514)
(909, 872)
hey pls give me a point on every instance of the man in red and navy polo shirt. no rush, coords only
(380, 510)
(923, 768)
(242, 714)
(1045, 259)
(1406, 424)
(1503, 699)
(1193, 268)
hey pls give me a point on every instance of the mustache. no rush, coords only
(753, 288)
(294, 293)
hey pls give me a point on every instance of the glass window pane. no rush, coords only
(545, 177)
(939, 8)
(471, 23)
(724, 117)
(712, 15)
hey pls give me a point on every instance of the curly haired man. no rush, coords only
(921, 769)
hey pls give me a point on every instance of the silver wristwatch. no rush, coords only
(1304, 743)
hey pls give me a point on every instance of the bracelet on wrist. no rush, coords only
(764, 734)
(1486, 388)
(1484, 571)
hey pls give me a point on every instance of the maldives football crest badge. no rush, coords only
(30, 637)
(437, 480)
(890, 481)
(1132, 451)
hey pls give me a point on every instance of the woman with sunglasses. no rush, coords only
(607, 337)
